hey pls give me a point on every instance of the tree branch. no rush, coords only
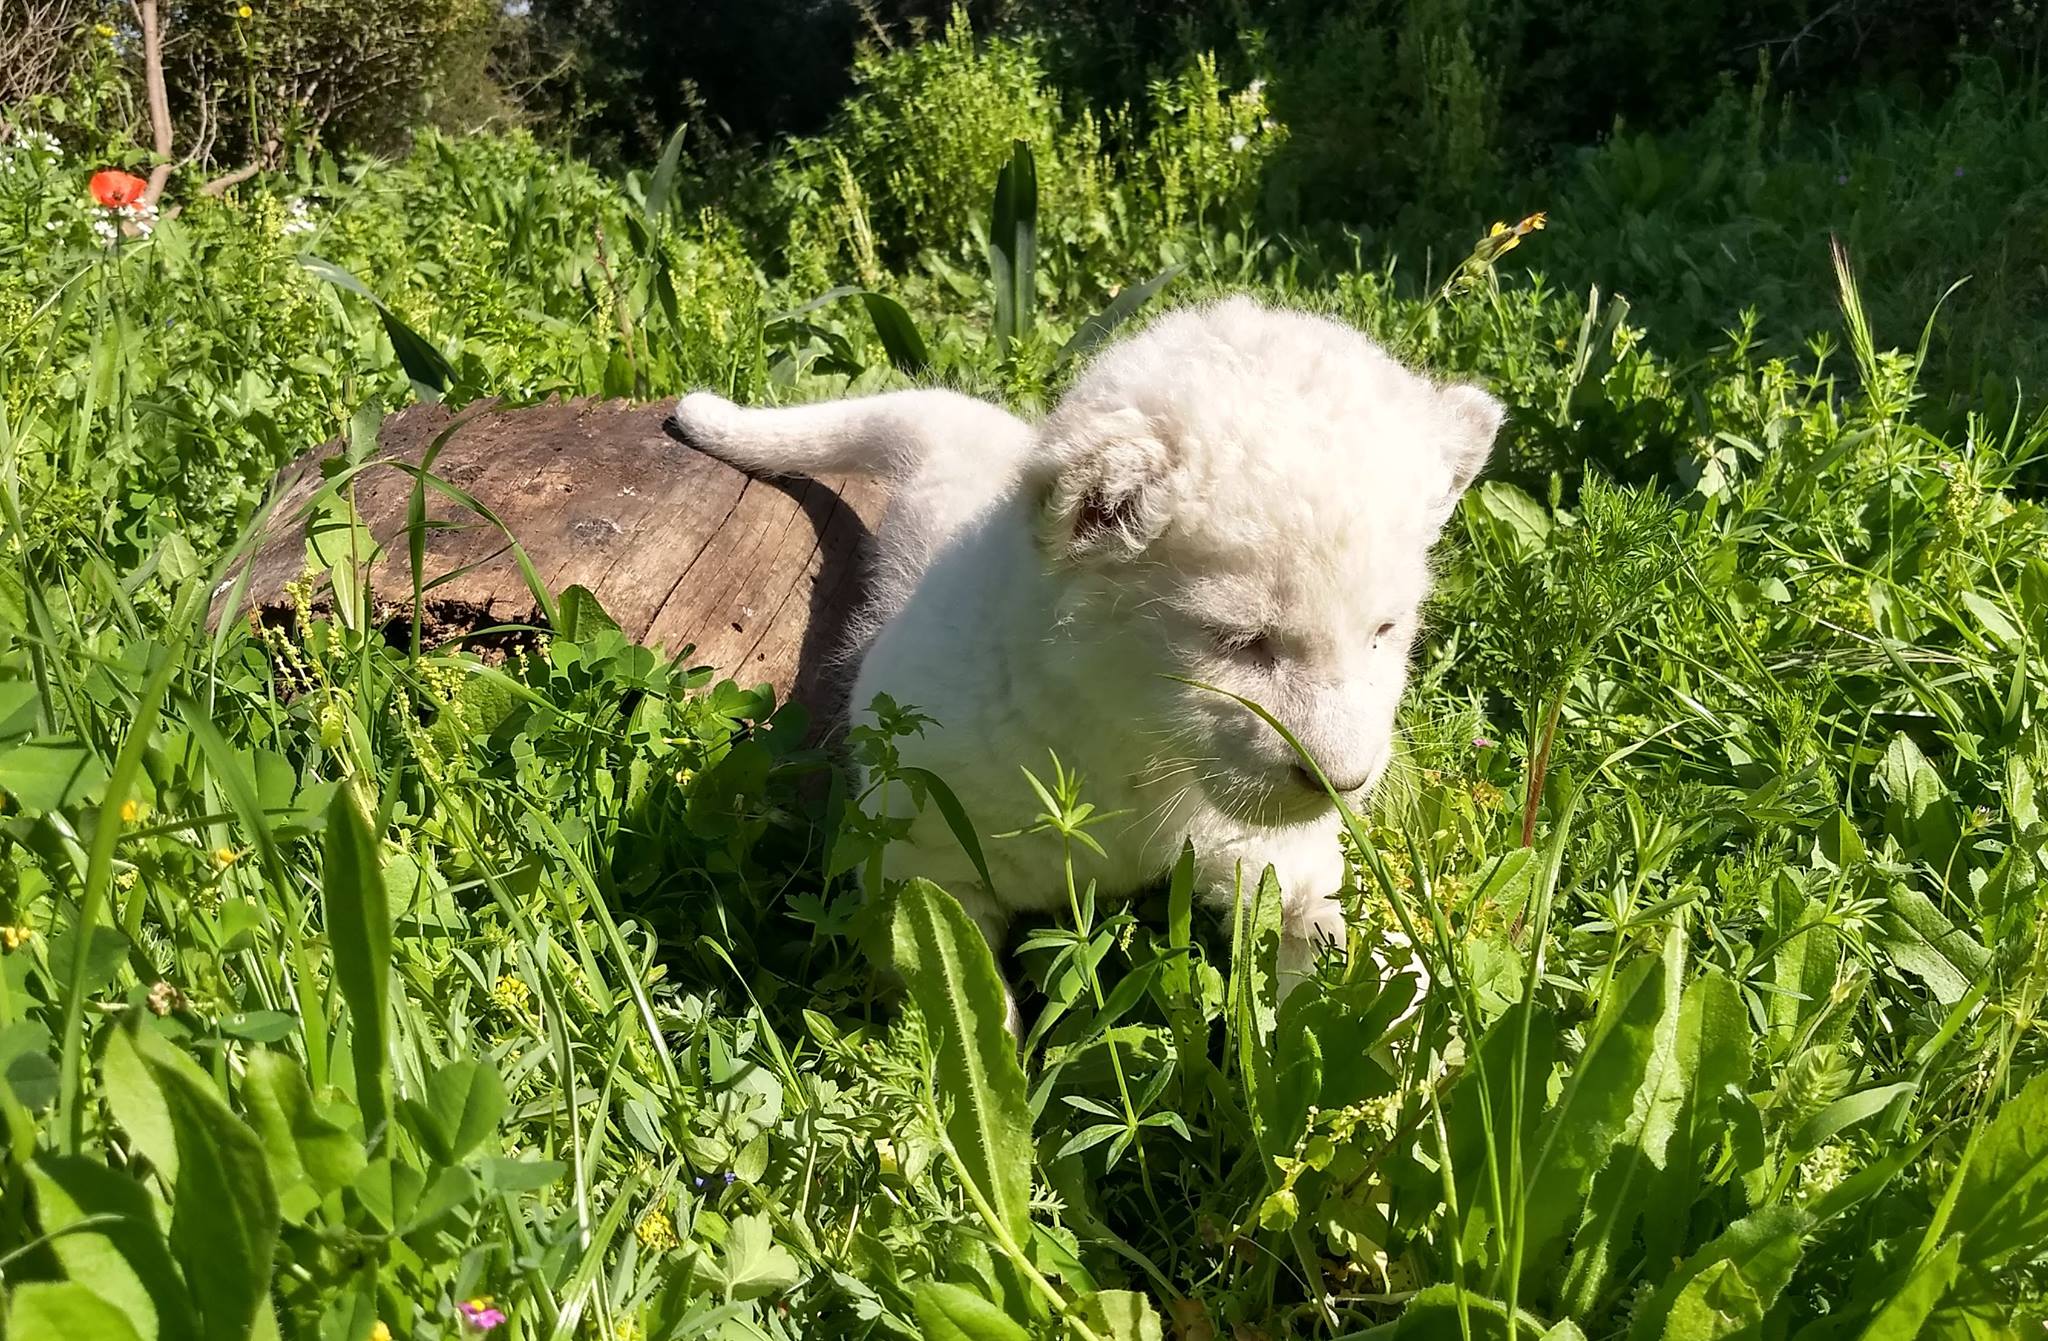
(159, 100)
(221, 184)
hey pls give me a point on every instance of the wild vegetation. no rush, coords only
(357, 985)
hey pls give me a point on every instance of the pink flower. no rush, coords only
(1481, 743)
(479, 1313)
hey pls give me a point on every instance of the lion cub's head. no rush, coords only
(1247, 496)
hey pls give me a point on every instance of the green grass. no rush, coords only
(346, 983)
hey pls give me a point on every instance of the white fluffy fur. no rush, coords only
(1240, 495)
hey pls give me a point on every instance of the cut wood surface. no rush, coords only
(680, 548)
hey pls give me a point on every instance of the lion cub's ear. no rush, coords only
(1471, 420)
(1107, 499)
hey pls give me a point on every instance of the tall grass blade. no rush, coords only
(897, 332)
(662, 189)
(1103, 324)
(1013, 247)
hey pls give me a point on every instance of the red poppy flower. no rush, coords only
(115, 189)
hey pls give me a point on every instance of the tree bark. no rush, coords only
(156, 96)
(758, 576)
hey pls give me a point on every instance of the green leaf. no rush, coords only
(955, 816)
(522, 1175)
(1994, 619)
(64, 1311)
(581, 616)
(25, 1063)
(897, 332)
(945, 962)
(949, 1313)
(1617, 1201)
(1442, 1311)
(1904, 1315)
(2002, 1206)
(451, 1189)
(1120, 1315)
(1742, 1270)
(1846, 1112)
(1013, 246)
(729, 789)
(662, 188)
(258, 1026)
(138, 1106)
(1803, 968)
(464, 1101)
(1927, 945)
(753, 1265)
(18, 703)
(423, 363)
(224, 1210)
(1593, 1110)
(1718, 1302)
(44, 775)
(1254, 979)
(1920, 814)
(1480, 1119)
(388, 1191)
(1715, 1052)
(1176, 974)
(1298, 1080)
(1099, 327)
(121, 1253)
(1977, 1307)
(302, 1145)
(1518, 522)
(359, 929)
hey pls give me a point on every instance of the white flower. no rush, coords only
(1256, 87)
(141, 217)
(301, 220)
(105, 229)
(1237, 143)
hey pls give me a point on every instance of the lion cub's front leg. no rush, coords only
(1308, 863)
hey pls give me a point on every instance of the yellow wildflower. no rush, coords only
(104, 29)
(131, 810)
(16, 937)
(656, 1232)
(1504, 239)
(224, 857)
(511, 994)
(243, 12)
(380, 1332)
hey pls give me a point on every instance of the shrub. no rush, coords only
(929, 124)
(264, 76)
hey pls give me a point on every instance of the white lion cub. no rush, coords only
(1240, 495)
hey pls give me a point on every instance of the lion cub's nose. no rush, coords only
(1344, 785)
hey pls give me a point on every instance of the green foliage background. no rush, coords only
(352, 983)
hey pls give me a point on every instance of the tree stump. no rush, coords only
(759, 576)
